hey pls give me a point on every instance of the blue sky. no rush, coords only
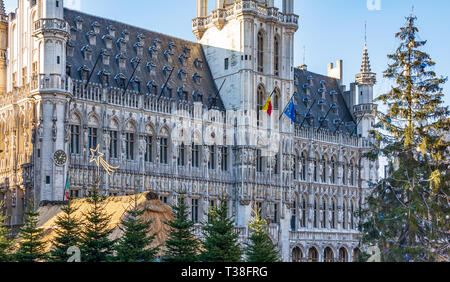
(329, 29)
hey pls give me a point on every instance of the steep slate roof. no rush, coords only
(326, 91)
(191, 53)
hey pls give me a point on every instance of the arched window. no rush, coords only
(344, 174)
(259, 161)
(276, 99)
(297, 255)
(328, 254)
(316, 168)
(181, 155)
(333, 213)
(352, 215)
(212, 157)
(164, 150)
(304, 210)
(294, 214)
(324, 212)
(343, 255)
(277, 163)
(333, 170)
(276, 59)
(149, 149)
(303, 166)
(260, 52)
(316, 212)
(75, 135)
(295, 157)
(324, 169)
(129, 146)
(352, 172)
(313, 255)
(345, 214)
(260, 103)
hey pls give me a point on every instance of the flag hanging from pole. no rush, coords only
(268, 106)
(67, 189)
(290, 111)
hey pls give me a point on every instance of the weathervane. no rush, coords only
(97, 157)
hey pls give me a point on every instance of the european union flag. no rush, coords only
(290, 111)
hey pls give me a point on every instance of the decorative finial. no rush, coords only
(412, 11)
(365, 33)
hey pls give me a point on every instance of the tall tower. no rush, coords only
(38, 35)
(52, 33)
(250, 43)
(365, 108)
(3, 46)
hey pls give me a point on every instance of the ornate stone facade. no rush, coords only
(178, 116)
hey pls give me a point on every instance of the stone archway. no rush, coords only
(297, 254)
(313, 255)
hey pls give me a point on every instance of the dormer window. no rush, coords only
(126, 35)
(111, 30)
(152, 87)
(104, 77)
(180, 92)
(108, 40)
(187, 51)
(172, 46)
(135, 63)
(73, 33)
(141, 38)
(151, 68)
(87, 52)
(139, 47)
(122, 43)
(79, 23)
(153, 50)
(92, 37)
(68, 69)
(198, 63)
(198, 97)
(136, 84)
(84, 72)
(106, 58)
(182, 75)
(121, 60)
(96, 27)
(197, 78)
(70, 48)
(167, 55)
(157, 43)
(181, 59)
(120, 80)
(166, 70)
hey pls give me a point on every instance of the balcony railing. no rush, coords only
(50, 25)
(53, 82)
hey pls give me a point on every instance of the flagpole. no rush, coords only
(282, 113)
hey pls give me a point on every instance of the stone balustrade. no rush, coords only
(50, 25)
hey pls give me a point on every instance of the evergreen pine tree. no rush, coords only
(67, 234)
(31, 246)
(5, 242)
(260, 247)
(134, 245)
(407, 212)
(220, 242)
(95, 244)
(181, 245)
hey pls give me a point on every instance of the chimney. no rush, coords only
(336, 72)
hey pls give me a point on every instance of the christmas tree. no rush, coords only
(134, 245)
(181, 245)
(407, 212)
(5, 242)
(95, 244)
(31, 246)
(260, 247)
(67, 234)
(221, 242)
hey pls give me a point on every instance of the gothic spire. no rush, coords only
(366, 76)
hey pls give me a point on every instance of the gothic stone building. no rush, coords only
(185, 117)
